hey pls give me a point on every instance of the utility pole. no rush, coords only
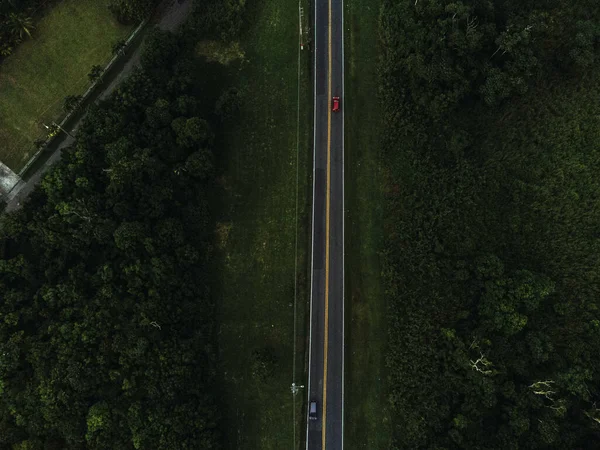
(295, 388)
(301, 34)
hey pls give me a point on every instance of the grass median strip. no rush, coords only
(72, 37)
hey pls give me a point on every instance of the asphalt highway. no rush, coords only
(326, 360)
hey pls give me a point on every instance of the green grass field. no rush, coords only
(72, 37)
(257, 233)
(367, 419)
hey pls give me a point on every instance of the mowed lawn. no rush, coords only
(71, 37)
(366, 403)
(257, 234)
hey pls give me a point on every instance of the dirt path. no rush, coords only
(172, 13)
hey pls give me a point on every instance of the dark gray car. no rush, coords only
(312, 411)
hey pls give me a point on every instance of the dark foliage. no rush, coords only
(71, 102)
(454, 52)
(96, 73)
(16, 23)
(107, 334)
(492, 261)
(118, 47)
(228, 104)
(219, 19)
(132, 11)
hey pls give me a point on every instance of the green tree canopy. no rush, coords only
(107, 325)
(491, 261)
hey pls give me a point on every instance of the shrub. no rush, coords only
(131, 11)
(71, 102)
(228, 104)
(95, 73)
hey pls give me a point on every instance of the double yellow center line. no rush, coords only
(327, 209)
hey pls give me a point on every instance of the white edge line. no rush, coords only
(343, 225)
(312, 253)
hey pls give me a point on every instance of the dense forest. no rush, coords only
(107, 321)
(492, 262)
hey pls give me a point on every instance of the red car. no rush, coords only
(336, 104)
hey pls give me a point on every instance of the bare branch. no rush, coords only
(481, 365)
(594, 414)
(544, 388)
(497, 50)
(472, 23)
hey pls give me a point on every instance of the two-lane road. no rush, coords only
(326, 360)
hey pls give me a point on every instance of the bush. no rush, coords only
(16, 24)
(95, 73)
(228, 104)
(38, 143)
(132, 11)
(218, 19)
(118, 47)
(71, 102)
(160, 54)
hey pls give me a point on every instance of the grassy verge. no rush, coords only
(365, 394)
(72, 37)
(257, 232)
